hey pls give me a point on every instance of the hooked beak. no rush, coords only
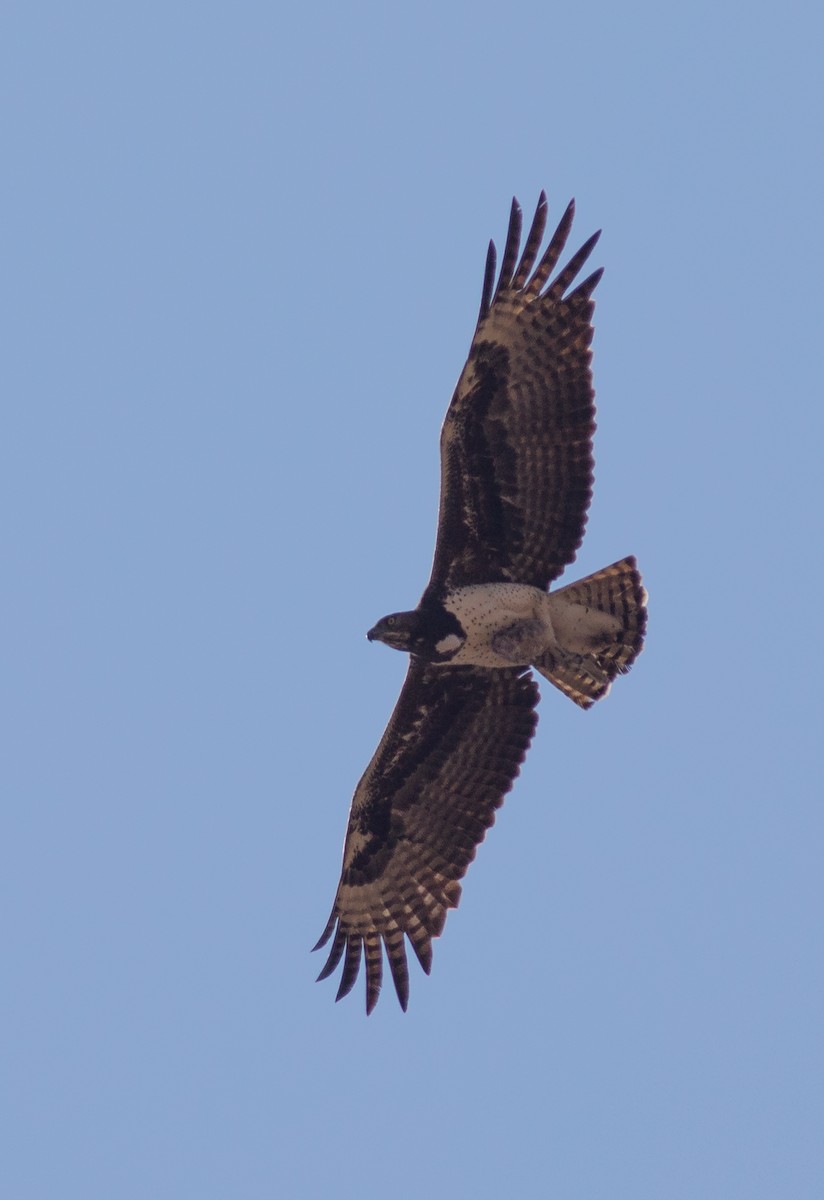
(394, 635)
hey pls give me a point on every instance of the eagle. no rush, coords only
(516, 483)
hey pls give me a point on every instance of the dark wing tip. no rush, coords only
(584, 290)
(533, 244)
(565, 277)
(373, 953)
(351, 965)
(396, 953)
(515, 274)
(489, 281)
(335, 954)
(513, 241)
(422, 945)
(327, 933)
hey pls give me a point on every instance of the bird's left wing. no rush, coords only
(450, 753)
(516, 444)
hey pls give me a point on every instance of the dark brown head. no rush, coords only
(430, 632)
(401, 630)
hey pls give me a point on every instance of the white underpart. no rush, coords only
(580, 628)
(448, 644)
(548, 620)
(487, 609)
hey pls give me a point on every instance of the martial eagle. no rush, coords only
(516, 482)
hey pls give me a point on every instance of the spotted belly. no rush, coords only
(504, 625)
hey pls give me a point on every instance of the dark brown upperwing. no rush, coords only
(516, 445)
(449, 755)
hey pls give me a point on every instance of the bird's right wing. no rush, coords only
(450, 753)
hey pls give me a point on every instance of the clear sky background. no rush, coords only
(242, 253)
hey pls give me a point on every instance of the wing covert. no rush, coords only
(450, 753)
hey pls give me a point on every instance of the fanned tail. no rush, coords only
(600, 624)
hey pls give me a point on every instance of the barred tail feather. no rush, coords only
(600, 623)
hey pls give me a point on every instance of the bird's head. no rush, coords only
(401, 631)
(429, 632)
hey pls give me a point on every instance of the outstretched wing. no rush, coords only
(450, 753)
(516, 445)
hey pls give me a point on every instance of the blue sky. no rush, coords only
(242, 252)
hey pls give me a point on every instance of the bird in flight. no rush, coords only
(516, 483)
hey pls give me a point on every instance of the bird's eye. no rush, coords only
(390, 621)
